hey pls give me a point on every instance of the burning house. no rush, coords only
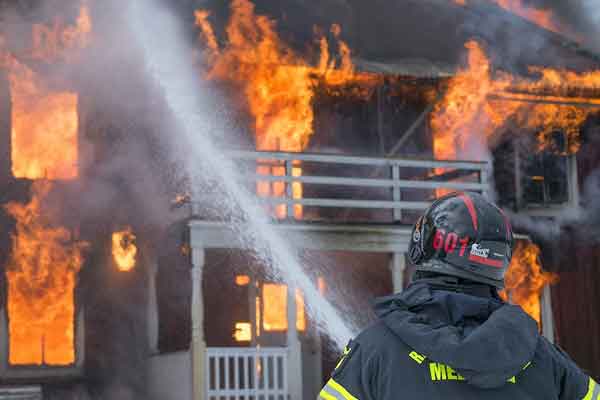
(123, 281)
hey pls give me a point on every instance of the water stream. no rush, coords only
(169, 63)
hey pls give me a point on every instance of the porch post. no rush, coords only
(294, 348)
(398, 265)
(547, 317)
(198, 345)
(152, 311)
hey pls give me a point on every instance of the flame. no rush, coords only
(471, 112)
(540, 17)
(44, 121)
(44, 128)
(243, 332)
(242, 280)
(42, 275)
(124, 249)
(525, 280)
(278, 85)
(321, 285)
(52, 43)
(275, 298)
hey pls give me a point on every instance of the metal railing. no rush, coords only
(21, 393)
(245, 373)
(406, 184)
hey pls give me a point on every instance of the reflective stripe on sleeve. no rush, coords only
(325, 395)
(334, 391)
(593, 391)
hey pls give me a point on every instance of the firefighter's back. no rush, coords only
(431, 344)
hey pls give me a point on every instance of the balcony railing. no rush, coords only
(288, 182)
(238, 373)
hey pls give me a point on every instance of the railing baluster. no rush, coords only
(396, 195)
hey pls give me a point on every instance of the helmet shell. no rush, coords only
(463, 235)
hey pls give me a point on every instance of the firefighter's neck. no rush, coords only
(458, 285)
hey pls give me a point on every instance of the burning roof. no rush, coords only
(429, 35)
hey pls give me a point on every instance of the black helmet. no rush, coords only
(463, 235)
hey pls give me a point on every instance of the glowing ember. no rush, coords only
(525, 279)
(242, 280)
(42, 275)
(243, 332)
(124, 249)
(475, 107)
(278, 85)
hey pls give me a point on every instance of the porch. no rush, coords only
(387, 192)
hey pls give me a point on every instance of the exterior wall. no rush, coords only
(169, 376)
(576, 306)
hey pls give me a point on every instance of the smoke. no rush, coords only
(124, 179)
(581, 223)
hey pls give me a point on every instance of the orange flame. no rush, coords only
(242, 332)
(543, 18)
(278, 84)
(471, 111)
(52, 43)
(44, 121)
(42, 275)
(275, 297)
(525, 280)
(124, 249)
(44, 128)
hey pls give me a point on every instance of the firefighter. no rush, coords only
(449, 335)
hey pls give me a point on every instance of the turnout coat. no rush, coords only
(440, 341)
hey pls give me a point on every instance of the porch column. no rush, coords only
(152, 311)
(198, 345)
(398, 265)
(547, 317)
(294, 348)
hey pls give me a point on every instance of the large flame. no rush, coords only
(42, 275)
(525, 280)
(278, 84)
(478, 104)
(44, 128)
(44, 121)
(124, 249)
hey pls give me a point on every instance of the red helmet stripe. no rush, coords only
(471, 208)
(486, 261)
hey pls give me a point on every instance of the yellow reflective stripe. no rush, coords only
(323, 394)
(345, 353)
(593, 391)
(340, 389)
